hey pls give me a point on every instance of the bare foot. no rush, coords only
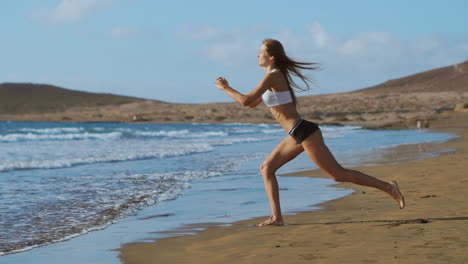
(396, 194)
(271, 221)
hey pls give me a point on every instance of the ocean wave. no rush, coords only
(241, 130)
(272, 131)
(56, 130)
(61, 135)
(56, 154)
(232, 141)
(130, 193)
(339, 131)
(340, 128)
(104, 158)
(58, 137)
(184, 133)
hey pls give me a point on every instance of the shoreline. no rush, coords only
(356, 234)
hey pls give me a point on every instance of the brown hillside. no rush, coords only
(452, 78)
(25, 98)
(396, 103)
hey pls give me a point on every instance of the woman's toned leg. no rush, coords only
(321, 155)
(287, 150)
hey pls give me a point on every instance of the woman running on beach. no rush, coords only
(275, 90)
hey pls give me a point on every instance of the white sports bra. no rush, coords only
(271, 98)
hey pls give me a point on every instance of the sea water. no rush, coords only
(59, 181)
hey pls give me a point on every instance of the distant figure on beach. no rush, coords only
(420, 124)
(276, 91)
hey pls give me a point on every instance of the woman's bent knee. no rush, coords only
(266, 170)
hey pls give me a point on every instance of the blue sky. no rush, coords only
(174, 50)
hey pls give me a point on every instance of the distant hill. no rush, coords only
(447, 79)
(424, 95)
(22, 98)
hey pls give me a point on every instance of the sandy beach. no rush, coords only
(365, 227)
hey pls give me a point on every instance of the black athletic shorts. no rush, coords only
(302, 130)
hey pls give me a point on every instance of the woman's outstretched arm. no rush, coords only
(242, 99)
(251, 99)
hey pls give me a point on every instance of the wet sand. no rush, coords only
(364, 227)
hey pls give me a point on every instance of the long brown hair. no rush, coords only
(288, 66)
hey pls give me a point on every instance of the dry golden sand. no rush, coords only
(365, 227)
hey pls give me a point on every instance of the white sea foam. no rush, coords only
(241, 130)
(57, 154)
(139, 190)
(103, 157)
(232, 141)
(60, 137)
(272, 131)
(66, 134)
(339, 132)
(185, 133)
(57, 130)
(114, 133)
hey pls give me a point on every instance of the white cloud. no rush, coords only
(204, 33)
(234, 47)
(320, 37)
(124, 32)
(232, 53)
(72, 11)
(374, 52)
(213, 33)
(363, 58)
(368, 43)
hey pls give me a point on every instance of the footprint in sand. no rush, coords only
(339, 232)
(429, 196)
(310, 256)
(330, 245)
